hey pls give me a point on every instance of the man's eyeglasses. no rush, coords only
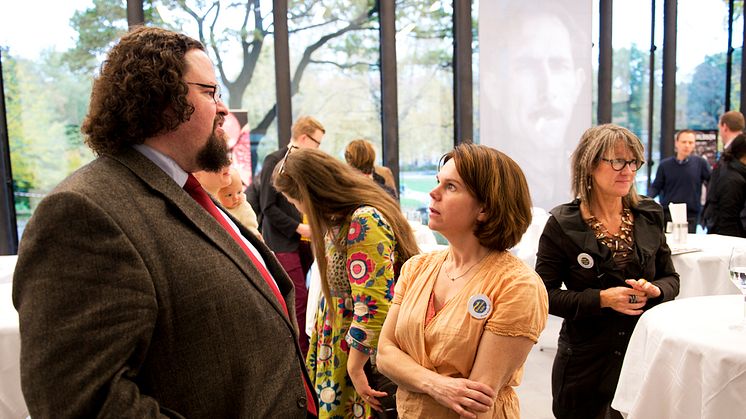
(284, 159)
(618, 164)
(314, 140)
(215, 94)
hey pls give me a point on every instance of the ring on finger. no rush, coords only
(632, 299)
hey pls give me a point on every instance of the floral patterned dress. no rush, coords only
(361, 284)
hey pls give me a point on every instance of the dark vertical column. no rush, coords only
(135, 14)
(729, 56)
(390, 107)
(8, 228)
(282, 72)
(743, 71)
(463, 102)
(668, 100)
(651, 93)
(605, 54)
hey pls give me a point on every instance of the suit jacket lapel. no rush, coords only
(159, 181)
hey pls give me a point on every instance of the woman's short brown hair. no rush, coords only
(498, 183)
(139, 92)
(361, 155)
(596, 143)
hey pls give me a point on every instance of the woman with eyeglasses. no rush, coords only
(360, 240)
(608, 249)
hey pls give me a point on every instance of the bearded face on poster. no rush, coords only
(535, 90)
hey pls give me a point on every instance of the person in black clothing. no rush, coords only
(679, 179)
(726, 196)
(283, 228)
(609, 250)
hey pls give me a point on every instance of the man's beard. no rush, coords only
(214, 155)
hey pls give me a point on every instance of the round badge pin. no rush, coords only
(585, 260)
(480, 306)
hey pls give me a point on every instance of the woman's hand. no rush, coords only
(304, 230)
(643, 285)
(625, 300)
(355, 363)
(463, 396)
(360, 381)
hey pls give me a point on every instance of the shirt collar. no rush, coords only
(167, 164)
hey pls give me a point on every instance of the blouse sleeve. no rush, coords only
(370, 270)
(405, 278)
(521, 306)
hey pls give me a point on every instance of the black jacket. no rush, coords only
(593, 340)
(726, 198)
(280, 217)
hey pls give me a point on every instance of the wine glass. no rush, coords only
(737, 268)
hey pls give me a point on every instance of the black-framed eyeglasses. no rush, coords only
(284, 159)
(215, 94)
(314, 140)
(618, 164)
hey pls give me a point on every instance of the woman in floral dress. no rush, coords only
(365, 239)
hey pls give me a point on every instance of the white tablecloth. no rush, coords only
(12, 405)
(706, 272)
(684, 362)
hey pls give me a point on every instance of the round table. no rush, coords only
(684, 361)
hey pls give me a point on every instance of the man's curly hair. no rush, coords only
(140, 92)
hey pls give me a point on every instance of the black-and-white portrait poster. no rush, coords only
(535, 87)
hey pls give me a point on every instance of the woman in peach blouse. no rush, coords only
(464, 319)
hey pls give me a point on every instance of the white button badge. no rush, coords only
(480, 306)
(585, 260)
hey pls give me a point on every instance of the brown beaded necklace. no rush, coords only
(620, 243)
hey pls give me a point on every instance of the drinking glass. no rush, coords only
(737, 268)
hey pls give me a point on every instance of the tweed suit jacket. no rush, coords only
(134, 302)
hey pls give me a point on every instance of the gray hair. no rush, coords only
(596, 143)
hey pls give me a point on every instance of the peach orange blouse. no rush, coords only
(448, 343)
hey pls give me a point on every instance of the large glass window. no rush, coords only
(239, 39)
(737, 44)
(631, 71)
(424, 48)
(702, 40)
(335, 73)
(47, 88)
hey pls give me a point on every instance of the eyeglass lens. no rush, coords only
(618, 164)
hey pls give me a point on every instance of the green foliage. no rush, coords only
(705, 98)
(630, 91)
(97, 28)
(45, 105)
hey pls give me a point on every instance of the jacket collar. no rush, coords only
(162, 184)
(648, 218)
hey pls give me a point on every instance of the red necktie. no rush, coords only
(194, 189)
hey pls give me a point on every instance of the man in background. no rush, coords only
(283, 228)
(731, 124)
(137, 297)
(679, 179)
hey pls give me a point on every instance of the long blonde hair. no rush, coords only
(331, 191)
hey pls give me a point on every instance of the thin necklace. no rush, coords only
(466, 272)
